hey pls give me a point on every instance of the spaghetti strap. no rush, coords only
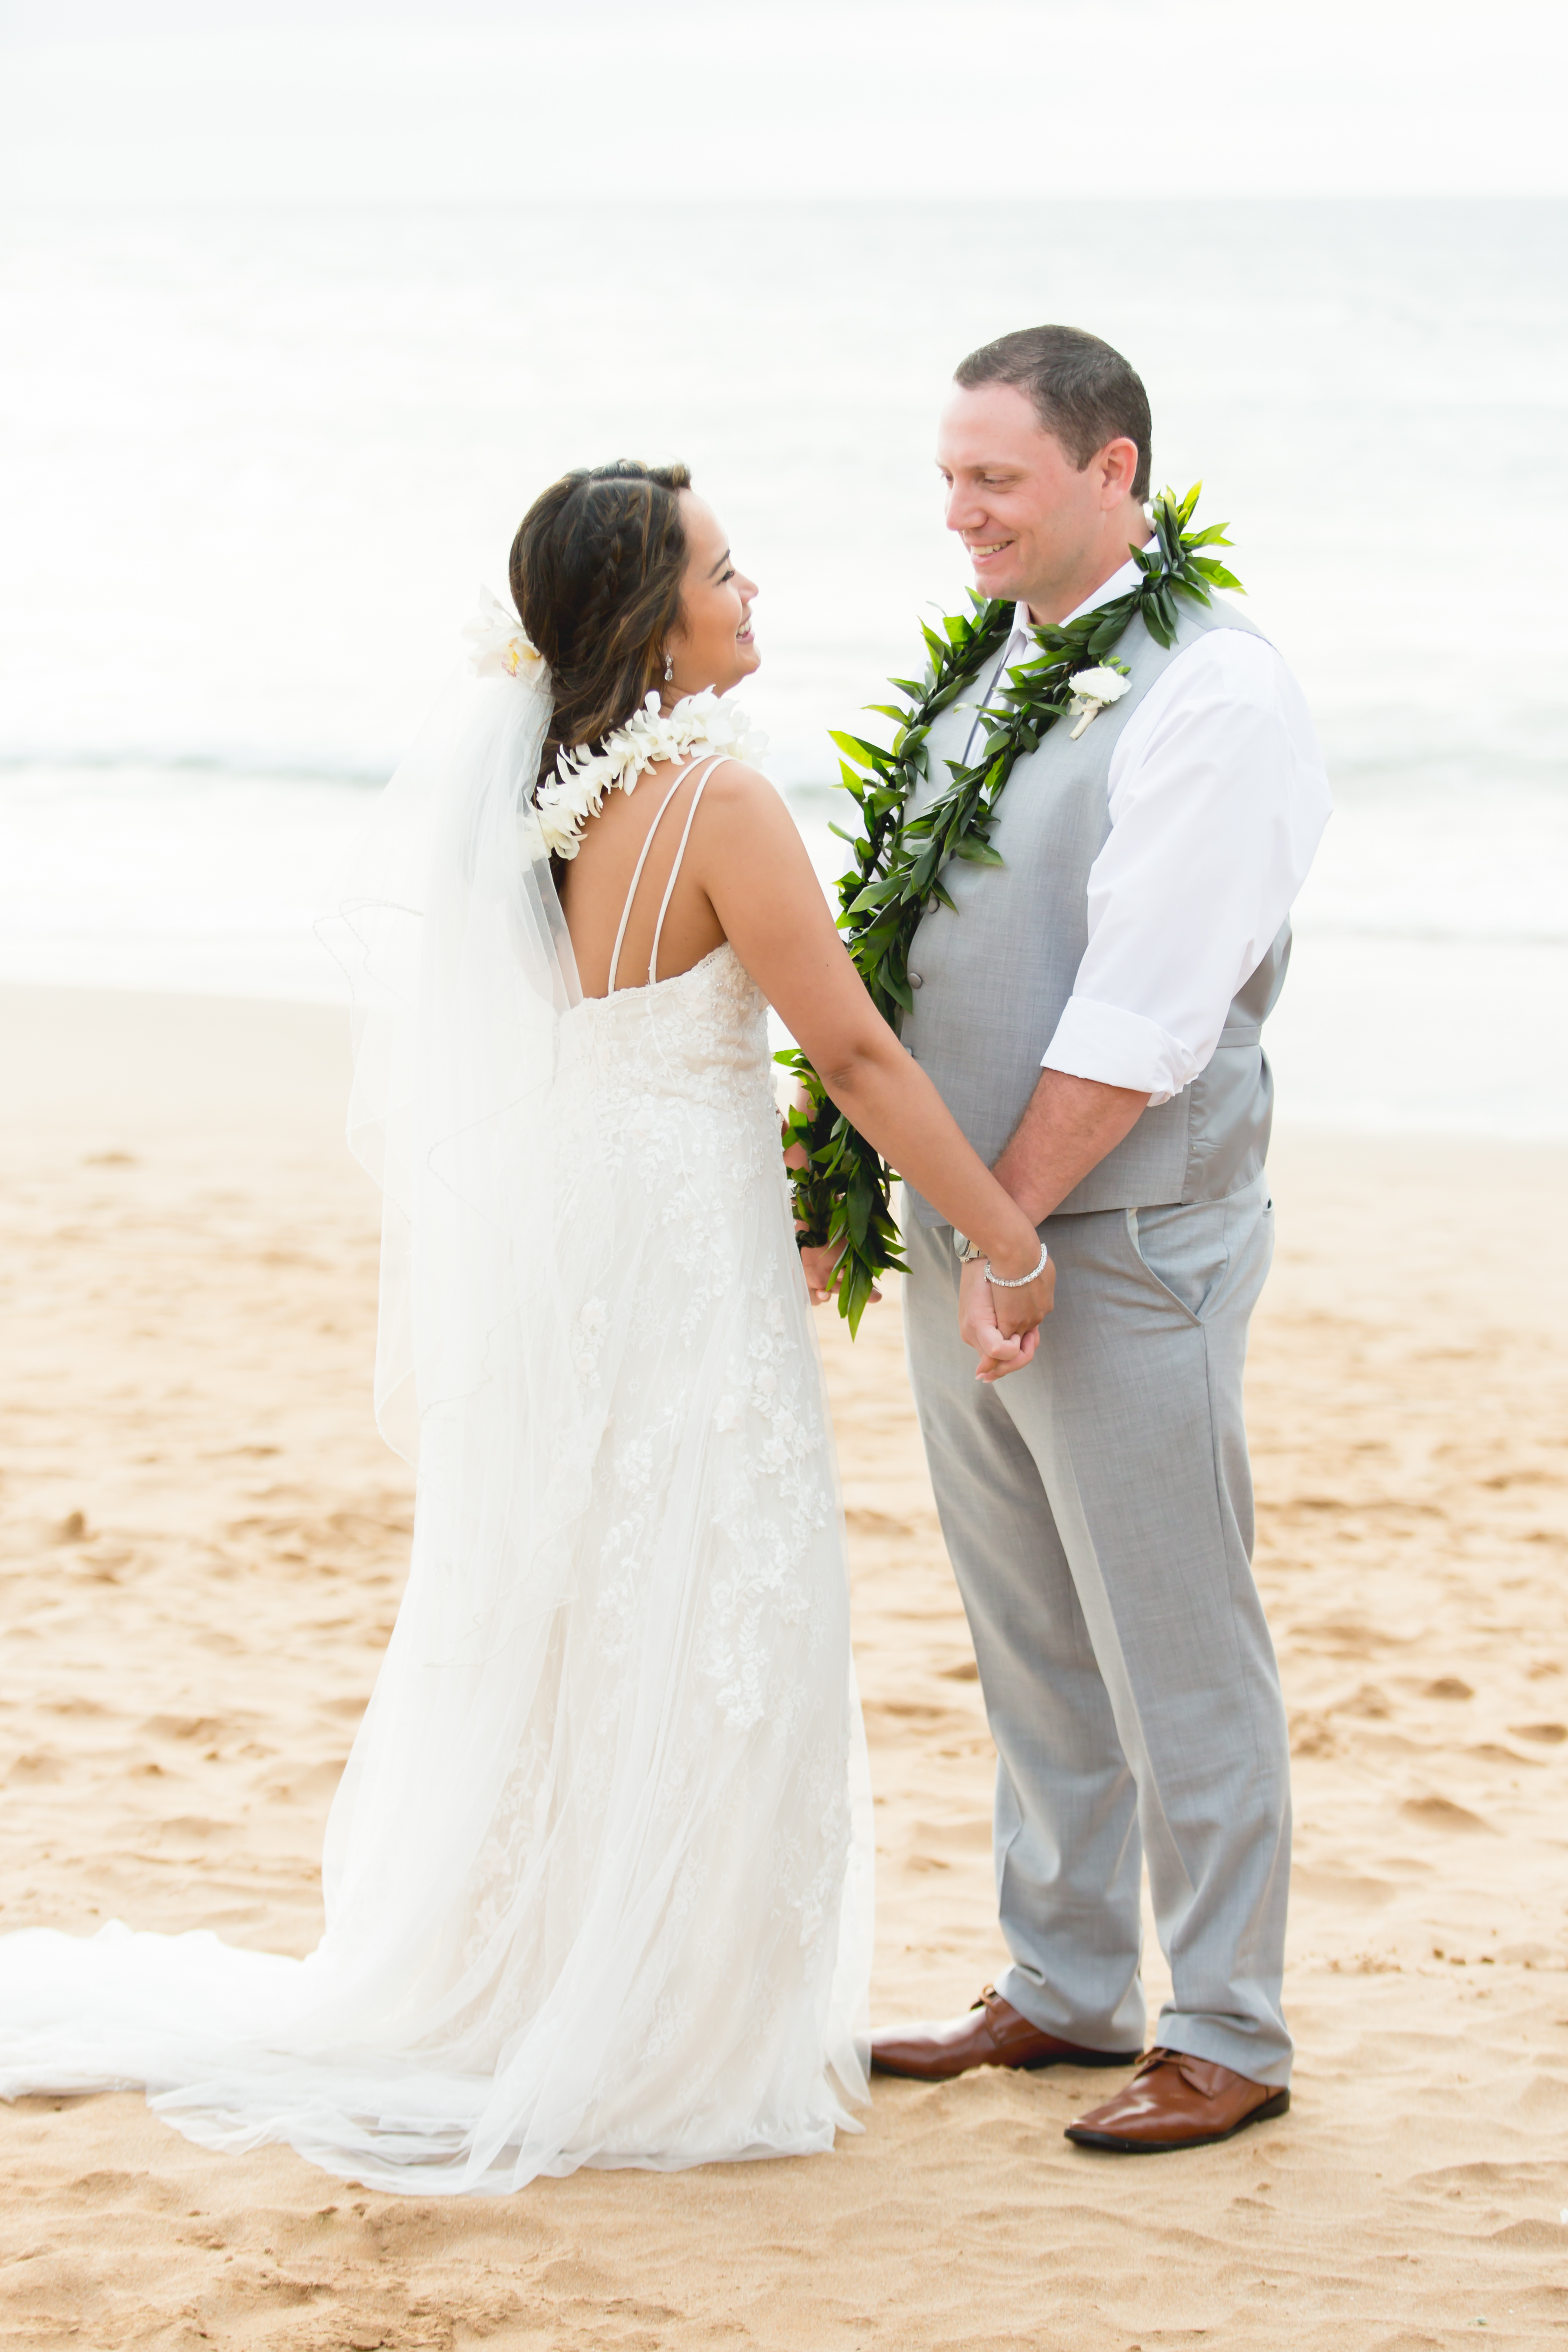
(636, 877)
(675, 870)
(642, 861)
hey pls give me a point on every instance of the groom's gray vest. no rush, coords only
(992, 980)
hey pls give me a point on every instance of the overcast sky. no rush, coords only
(474, 99)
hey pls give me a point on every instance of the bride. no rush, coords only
(598, 1875)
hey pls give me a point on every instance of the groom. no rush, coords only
(1091, 1013)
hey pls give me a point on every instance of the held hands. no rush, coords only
(1003, 1326)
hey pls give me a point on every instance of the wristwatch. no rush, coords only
(967, 1250)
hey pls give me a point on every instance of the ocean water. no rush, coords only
(257, 461)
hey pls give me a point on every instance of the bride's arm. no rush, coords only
(749, 858)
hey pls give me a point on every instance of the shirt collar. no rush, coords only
(1117, 585)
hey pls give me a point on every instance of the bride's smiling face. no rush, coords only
(711, 643)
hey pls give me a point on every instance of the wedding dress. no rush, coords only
(597, 1876)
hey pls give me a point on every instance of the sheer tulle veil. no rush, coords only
(400, 2053)
(460, 965)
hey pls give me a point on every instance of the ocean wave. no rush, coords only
(1391, 931)
(250, 766)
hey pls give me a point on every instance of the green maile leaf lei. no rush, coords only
(843, 1192)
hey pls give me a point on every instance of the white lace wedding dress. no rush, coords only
(598, 1876)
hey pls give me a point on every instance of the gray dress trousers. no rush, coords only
(1097, 1510)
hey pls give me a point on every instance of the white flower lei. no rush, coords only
(700, 722)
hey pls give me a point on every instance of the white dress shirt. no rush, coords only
(1217, 800)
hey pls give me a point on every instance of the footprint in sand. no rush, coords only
(1442, 1814)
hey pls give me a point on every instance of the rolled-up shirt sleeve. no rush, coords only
(1217, 802)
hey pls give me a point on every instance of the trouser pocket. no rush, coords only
(1184, 1250)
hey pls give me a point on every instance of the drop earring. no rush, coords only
(668, 667)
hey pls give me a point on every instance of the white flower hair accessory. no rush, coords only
(497, 646)
(699, 723)
(1092, 691)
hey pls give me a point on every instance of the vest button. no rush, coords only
(917, 980)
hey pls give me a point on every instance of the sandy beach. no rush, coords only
(201, 1545)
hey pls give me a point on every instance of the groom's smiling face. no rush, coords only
(1031, 520)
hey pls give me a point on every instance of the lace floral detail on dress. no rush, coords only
(710, 1554)
(592, 1319)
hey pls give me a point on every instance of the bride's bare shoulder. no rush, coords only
(743, 803)
(748, 833)
(737, 785)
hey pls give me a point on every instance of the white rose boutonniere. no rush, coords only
(1092, 691)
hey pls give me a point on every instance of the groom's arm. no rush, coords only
(1218, 798)
(1069, 1127)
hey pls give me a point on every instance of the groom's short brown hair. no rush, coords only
(1082, 390)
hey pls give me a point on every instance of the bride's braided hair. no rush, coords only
(596, 568)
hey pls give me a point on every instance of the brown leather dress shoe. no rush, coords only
(993, 2034)
(1175, 2101)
